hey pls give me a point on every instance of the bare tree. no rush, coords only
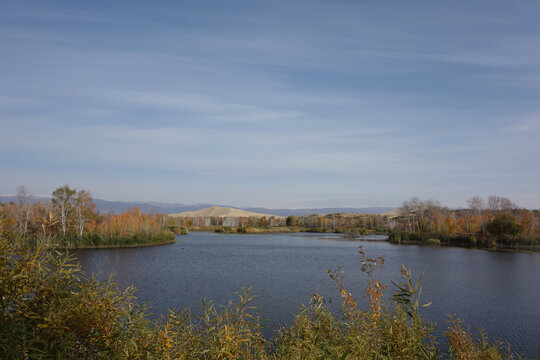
(500, 203)
(476, 205)
(415, 210)
(493, 202)
(63, 204)
(506, 204)
(84, 209)
(431, 207)
(407, 210)
(23, 209)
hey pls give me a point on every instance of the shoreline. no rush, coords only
(85, 247)
(279, 230)
(502, 248)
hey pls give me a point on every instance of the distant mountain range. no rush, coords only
(107, 206)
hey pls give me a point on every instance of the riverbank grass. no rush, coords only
(96, 241)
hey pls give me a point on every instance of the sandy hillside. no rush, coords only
(221, 211)
(393, 213)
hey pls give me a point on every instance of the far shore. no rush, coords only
(356, 234)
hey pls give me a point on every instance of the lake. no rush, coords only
(496, 291)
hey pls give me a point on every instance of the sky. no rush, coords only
(279, 104)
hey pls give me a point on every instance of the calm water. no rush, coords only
(496, 291)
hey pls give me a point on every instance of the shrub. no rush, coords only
(462, 345)
(224, 229)
(179, 230)
(49, 310)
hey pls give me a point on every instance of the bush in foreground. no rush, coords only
(48, 310)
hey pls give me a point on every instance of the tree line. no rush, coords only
(69, 219)
(495, 221)
(338, 223)
(491, 222)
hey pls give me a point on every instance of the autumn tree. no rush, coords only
(84, 210)
(62, 201)
(475, 214)
(527, 221)
(431, 207)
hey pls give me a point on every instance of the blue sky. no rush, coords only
(275, 104)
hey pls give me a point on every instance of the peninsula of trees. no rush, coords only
(495, 222)
(69, 220)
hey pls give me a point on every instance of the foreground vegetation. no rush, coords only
(50, 310)
(69, 220)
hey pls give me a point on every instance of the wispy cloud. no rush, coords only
(210, 108)
(528, 124)
(276, 105)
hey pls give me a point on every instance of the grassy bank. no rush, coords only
(515, 242)
(179, 230)
(87, 241)
(118, 246)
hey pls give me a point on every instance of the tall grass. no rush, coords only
(50, 310)
(96, 240)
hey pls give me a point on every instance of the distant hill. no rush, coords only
(323, 211)
(107, 206)
(221, 211)
(393, 213)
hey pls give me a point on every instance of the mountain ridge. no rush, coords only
(109, 206)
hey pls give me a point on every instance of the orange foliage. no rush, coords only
(128, 224)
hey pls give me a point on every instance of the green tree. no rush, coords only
(504, 224)
(292, 220)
